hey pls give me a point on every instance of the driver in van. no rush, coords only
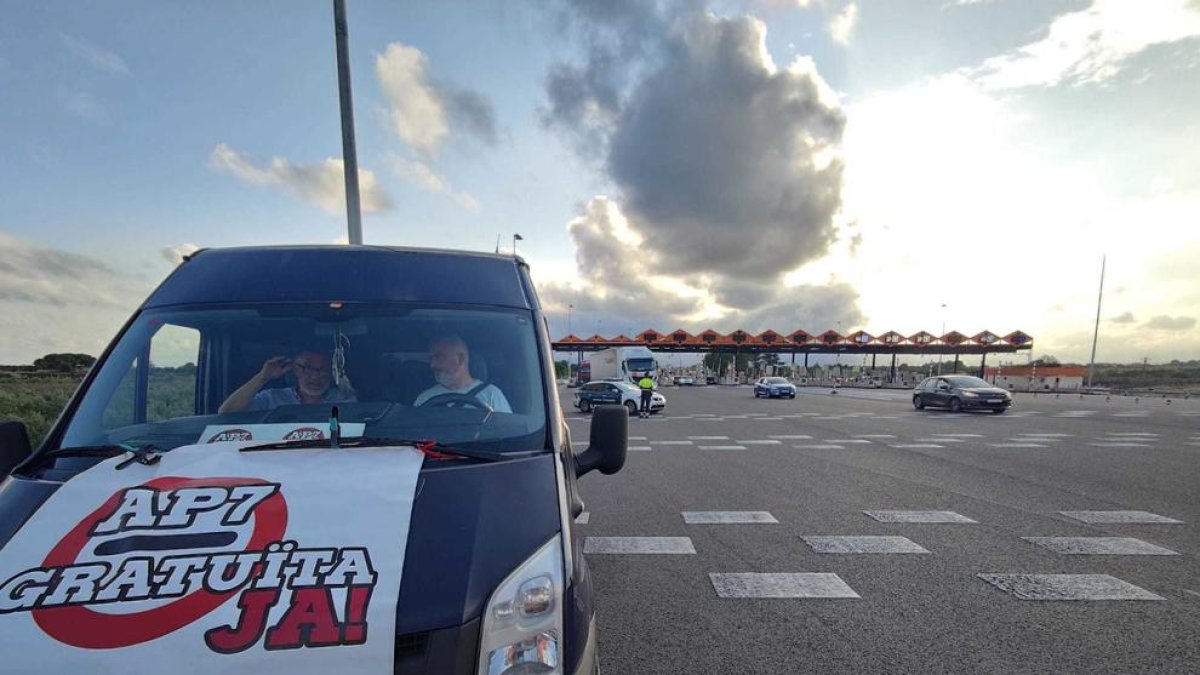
(314, 384)
(450, 359)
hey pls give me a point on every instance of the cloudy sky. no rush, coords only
(729, 164)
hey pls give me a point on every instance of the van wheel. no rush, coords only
(918, 403)
(955, 405)
(631, 407)
(585, 406)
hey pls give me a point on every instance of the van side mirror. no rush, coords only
(608, 442)
(14, 446)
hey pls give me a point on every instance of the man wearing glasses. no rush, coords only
(314, 384)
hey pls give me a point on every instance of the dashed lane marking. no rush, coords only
(1067, 587)
(636, 545)
(790, 437)
(708, 438)
(904, 446)
(856, 441)
(583, 518)
(767, 442)
(637, 438)
(819, 446)
(1132, 434)
(961, 435)
(780, 585)
(1047, 435)
(638, 448)
(1099, 546)
(1095, 517)
(919, 517)
(863, 544)
(722, 447)
(770, 419)
(939, 440)
(670, 442)
(1035, 439)
(726, 517)
(1120, 445)
(1017, 445)
(874, 435)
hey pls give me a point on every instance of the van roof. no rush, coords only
(268, 274)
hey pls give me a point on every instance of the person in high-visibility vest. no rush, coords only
(647, 386)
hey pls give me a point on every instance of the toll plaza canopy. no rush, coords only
(804, 342)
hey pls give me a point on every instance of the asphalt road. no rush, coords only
(815, 464)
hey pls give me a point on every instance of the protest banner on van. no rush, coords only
(214, 560)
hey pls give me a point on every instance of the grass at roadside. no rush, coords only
(35, 400)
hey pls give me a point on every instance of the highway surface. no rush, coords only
(777, 536)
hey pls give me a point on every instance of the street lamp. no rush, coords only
(516, 238)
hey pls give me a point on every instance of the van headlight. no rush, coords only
(970, 394)
(523, 624)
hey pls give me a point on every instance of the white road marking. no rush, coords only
(1076, 413)
(583, 518)
(1120, 445)
(709, 438)
(670, 442)
(1130, 433)
(827, 418)
(1067, 587)
(916, 445)
(863, 544)
(1142, 413)
(1035, 439)
(1194, 443)
(961, 435)
(1099, 546)
(756, 414)
(770, 419)
(638, 448)
(819, 447)
(1048, 435)
(580, 444)
(770, 442)
(874, 435)
(939, 440)
(637, 438)
(887, 417)
(1017, 445)
(722, 447)
(726, 517)
(858, 441)
(1094, 517)
(780, 585)
(789, 437)
(919, 517)
(657, 545)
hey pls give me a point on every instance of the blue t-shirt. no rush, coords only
(269, 399)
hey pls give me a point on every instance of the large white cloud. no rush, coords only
(1091, 45)
(320, 184)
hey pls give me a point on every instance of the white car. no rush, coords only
(684, 380)
(613, 392)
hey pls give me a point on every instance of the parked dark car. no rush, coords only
(961, 392)
(614, 392)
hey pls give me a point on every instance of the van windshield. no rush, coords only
(181, 376)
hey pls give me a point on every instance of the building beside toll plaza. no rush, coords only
(1034, 378)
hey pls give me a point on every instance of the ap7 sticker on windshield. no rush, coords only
(216, 566)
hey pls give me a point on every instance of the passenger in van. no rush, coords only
(314, 384)
(450, 360)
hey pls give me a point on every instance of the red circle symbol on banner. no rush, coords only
(80, 626)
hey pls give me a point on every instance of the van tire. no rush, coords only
(955, 405)
(631, 407)
(585, 406)
(918, 403)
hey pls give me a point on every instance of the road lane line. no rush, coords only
(1017, 445)
(726, 517)
(708, 438)
(819, 447)
(670, 442)
(863, 544)
(790, 437)
(919, 517)
(770, 442)
(722, 447)
(780, 585)
(639, 545)
(1067, 587)
(1094, 517)
(1099, 546)
(903, 446)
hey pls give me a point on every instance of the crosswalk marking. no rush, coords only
(649, 545)
(1067, 587)
(708, 438)
(766, 442)
(1099, 546)
(960, 435)
(789, 437)
(670, 442)
(583, 518)
(939, 440)
(874, 435)
(726, 517)
(780, 585)
(1131, 433)
(819, 446)
(1094, 517)
(638, 448)
(903, 446)
(1120, 444)
(1017, 445)
(857, 441)
(919, 517)
(863, 544)
(722, 447)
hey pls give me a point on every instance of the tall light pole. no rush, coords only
(349, 151)
(516, 238)
(1096, 333)
(939, 370)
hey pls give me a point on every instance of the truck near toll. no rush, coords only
(628, 364)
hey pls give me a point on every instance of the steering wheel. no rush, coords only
(448, 399)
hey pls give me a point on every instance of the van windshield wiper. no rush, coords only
(429, 448)
(146, 454)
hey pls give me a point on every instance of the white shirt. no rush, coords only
(491, 395)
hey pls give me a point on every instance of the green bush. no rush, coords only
(35, 400)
